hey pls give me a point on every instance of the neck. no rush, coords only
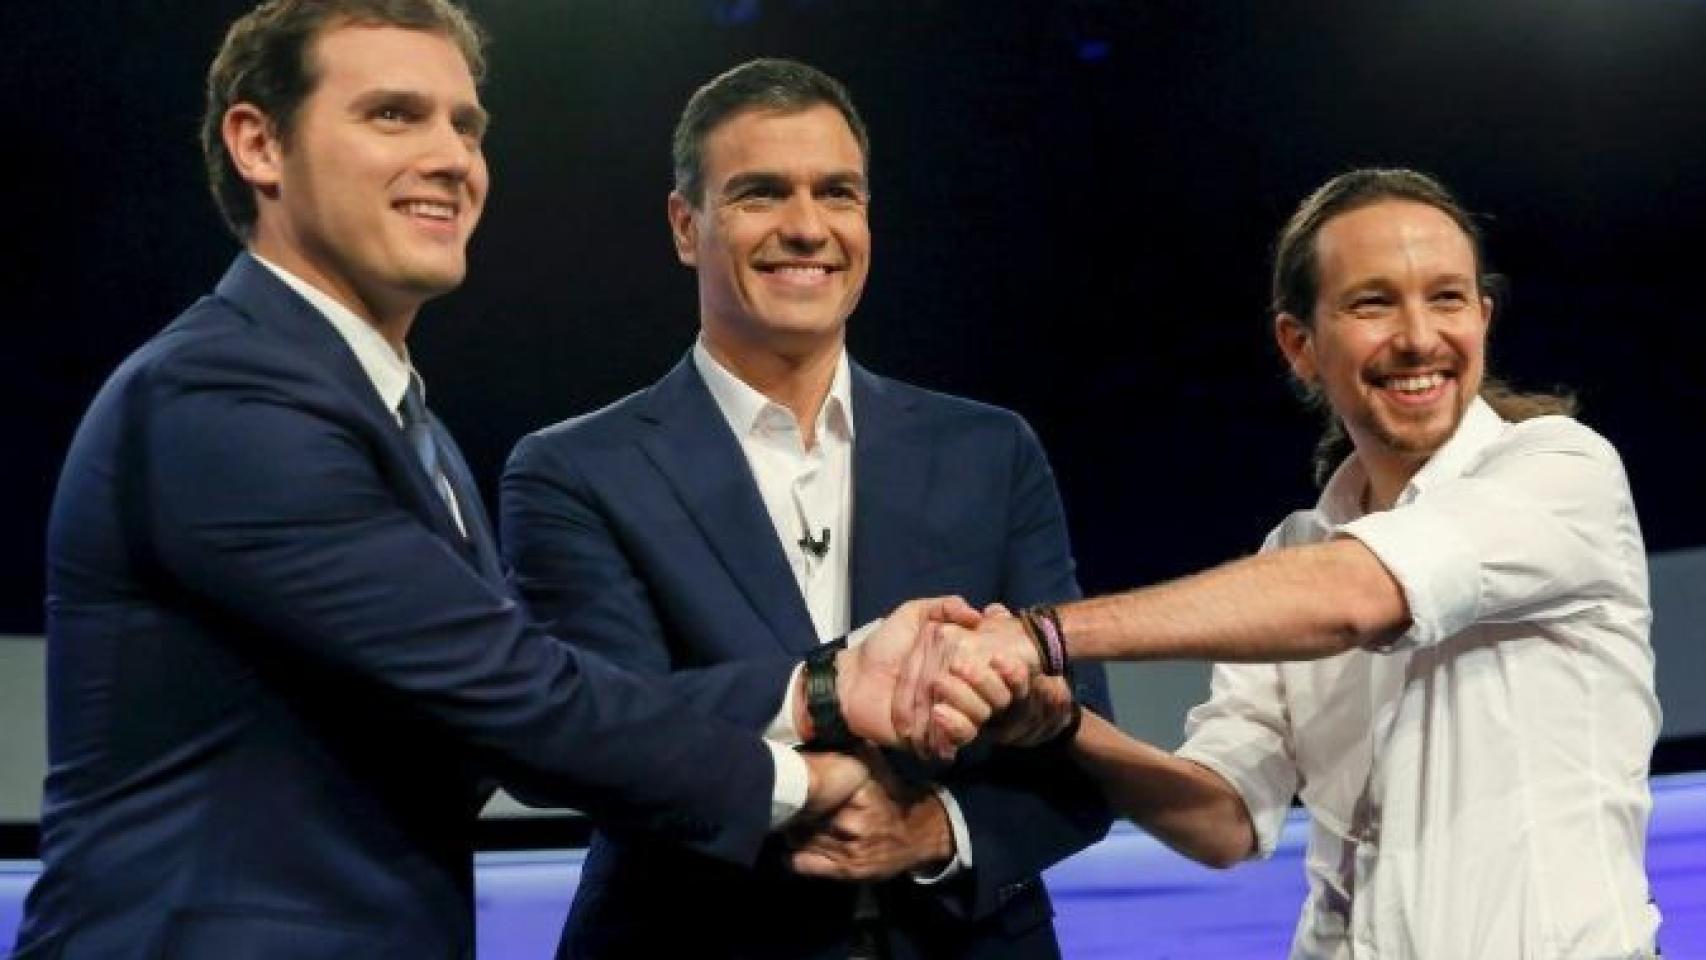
(799, 382)
(1387, 478)
(392, 319)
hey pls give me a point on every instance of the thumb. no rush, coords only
(834, 778)
(954, 610)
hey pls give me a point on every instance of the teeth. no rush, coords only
(1419, 384)
(431, 209)
(802, 272)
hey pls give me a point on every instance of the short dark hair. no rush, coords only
(1297, 285)
(266, 60)
(786, 86)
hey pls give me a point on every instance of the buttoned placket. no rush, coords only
(812, 495)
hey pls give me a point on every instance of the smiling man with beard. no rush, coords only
(1446, 659)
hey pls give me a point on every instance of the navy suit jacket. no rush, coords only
(639, 532)
(277, 673)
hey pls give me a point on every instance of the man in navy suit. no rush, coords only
(767, 494)
(282, 657)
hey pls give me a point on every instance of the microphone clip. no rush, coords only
(819, 548)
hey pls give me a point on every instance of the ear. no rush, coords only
(1487, 311)
(1297, 343)
(684, 228)
(252, 142)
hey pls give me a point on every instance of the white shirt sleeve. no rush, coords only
(1522, 539)
(1241, 733)
(788, 793)
(961, 860)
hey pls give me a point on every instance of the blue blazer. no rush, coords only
(639, 532)
(277, 673)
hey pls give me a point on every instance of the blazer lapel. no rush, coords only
(692, 446)
(345, 390)
(892, 465)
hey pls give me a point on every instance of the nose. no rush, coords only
(450, 154)
(1417, 330)
(802, 226)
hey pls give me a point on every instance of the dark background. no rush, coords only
(1073, 208)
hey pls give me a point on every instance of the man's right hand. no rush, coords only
(877, 683)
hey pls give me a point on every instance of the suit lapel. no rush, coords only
(892, 464)
(691, 445)
(347, 394)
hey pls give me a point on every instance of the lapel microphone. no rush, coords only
(817, 548)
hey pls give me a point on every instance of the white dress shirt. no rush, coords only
(1478, 789)
(808, 491)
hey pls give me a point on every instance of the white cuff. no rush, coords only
(793, 781)
(781, 728)
(961, 860)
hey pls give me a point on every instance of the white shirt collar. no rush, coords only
(744, 407)
(388, 372)
(1342, 497)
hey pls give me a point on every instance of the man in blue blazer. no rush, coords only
(282, 656)
(767, 494)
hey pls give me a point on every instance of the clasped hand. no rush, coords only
(951, 658)
(929, 680)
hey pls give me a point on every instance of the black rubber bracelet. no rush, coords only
(823, 701)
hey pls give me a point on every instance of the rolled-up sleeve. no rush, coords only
(1524, 539)
(1240, 734)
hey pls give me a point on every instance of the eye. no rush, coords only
(1451, 299)
(391, 114)
(757, 196)
(842, 195)
(472, 130)
(1368, 304)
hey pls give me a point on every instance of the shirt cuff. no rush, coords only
(788, 793)
(960, 862)
(781, 729)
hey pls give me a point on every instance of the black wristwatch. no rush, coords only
(823, 701)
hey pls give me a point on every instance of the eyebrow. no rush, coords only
(765, 178)
(471, 114)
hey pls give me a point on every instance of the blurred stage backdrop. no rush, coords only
(1074, 202)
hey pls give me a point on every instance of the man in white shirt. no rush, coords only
(283, 659)
(1446, 660)
(763, 499)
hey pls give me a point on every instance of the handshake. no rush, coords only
(936, 675)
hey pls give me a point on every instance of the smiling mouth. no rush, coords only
(802, 271)
(1414, 383)
(1414, 389)
(435, 210)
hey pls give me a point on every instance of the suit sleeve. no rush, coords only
(569, 566)
(1026, 810)
(275, 513)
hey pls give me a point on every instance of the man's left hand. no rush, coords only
(885, 829)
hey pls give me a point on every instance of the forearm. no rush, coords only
(1182, 803)
(1298, 603)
